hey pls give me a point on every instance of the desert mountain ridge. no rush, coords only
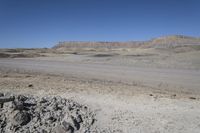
(160, 42)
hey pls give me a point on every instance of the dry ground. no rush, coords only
(121, 105)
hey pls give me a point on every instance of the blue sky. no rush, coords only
(43, 23)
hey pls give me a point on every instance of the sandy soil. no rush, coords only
(118, 107)
(126, 97)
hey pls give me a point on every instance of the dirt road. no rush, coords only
(170, 79)
(118, 107)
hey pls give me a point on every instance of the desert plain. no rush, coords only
(131, 87)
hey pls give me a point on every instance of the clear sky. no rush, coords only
(43, 23)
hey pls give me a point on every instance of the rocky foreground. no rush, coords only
(25, 113)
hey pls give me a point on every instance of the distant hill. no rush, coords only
(173, 41)
(160, 42)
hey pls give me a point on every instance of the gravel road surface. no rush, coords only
(183, 80)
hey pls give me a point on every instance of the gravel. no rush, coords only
(34, 114)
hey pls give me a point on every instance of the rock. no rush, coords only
(43, 100)
(67, 127)
(79, 119)
(52, 119)
(5, 76)
(30, 85)
(9, 105)
(30, 103)
(6, 99)
(59, 129)
(1, 94)
(44, 131)
(22, 98)
(46, 114)
(21, 118)
(193, 98)
(76, 124)
(18, 105)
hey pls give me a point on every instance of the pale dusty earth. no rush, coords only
(130, 93)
